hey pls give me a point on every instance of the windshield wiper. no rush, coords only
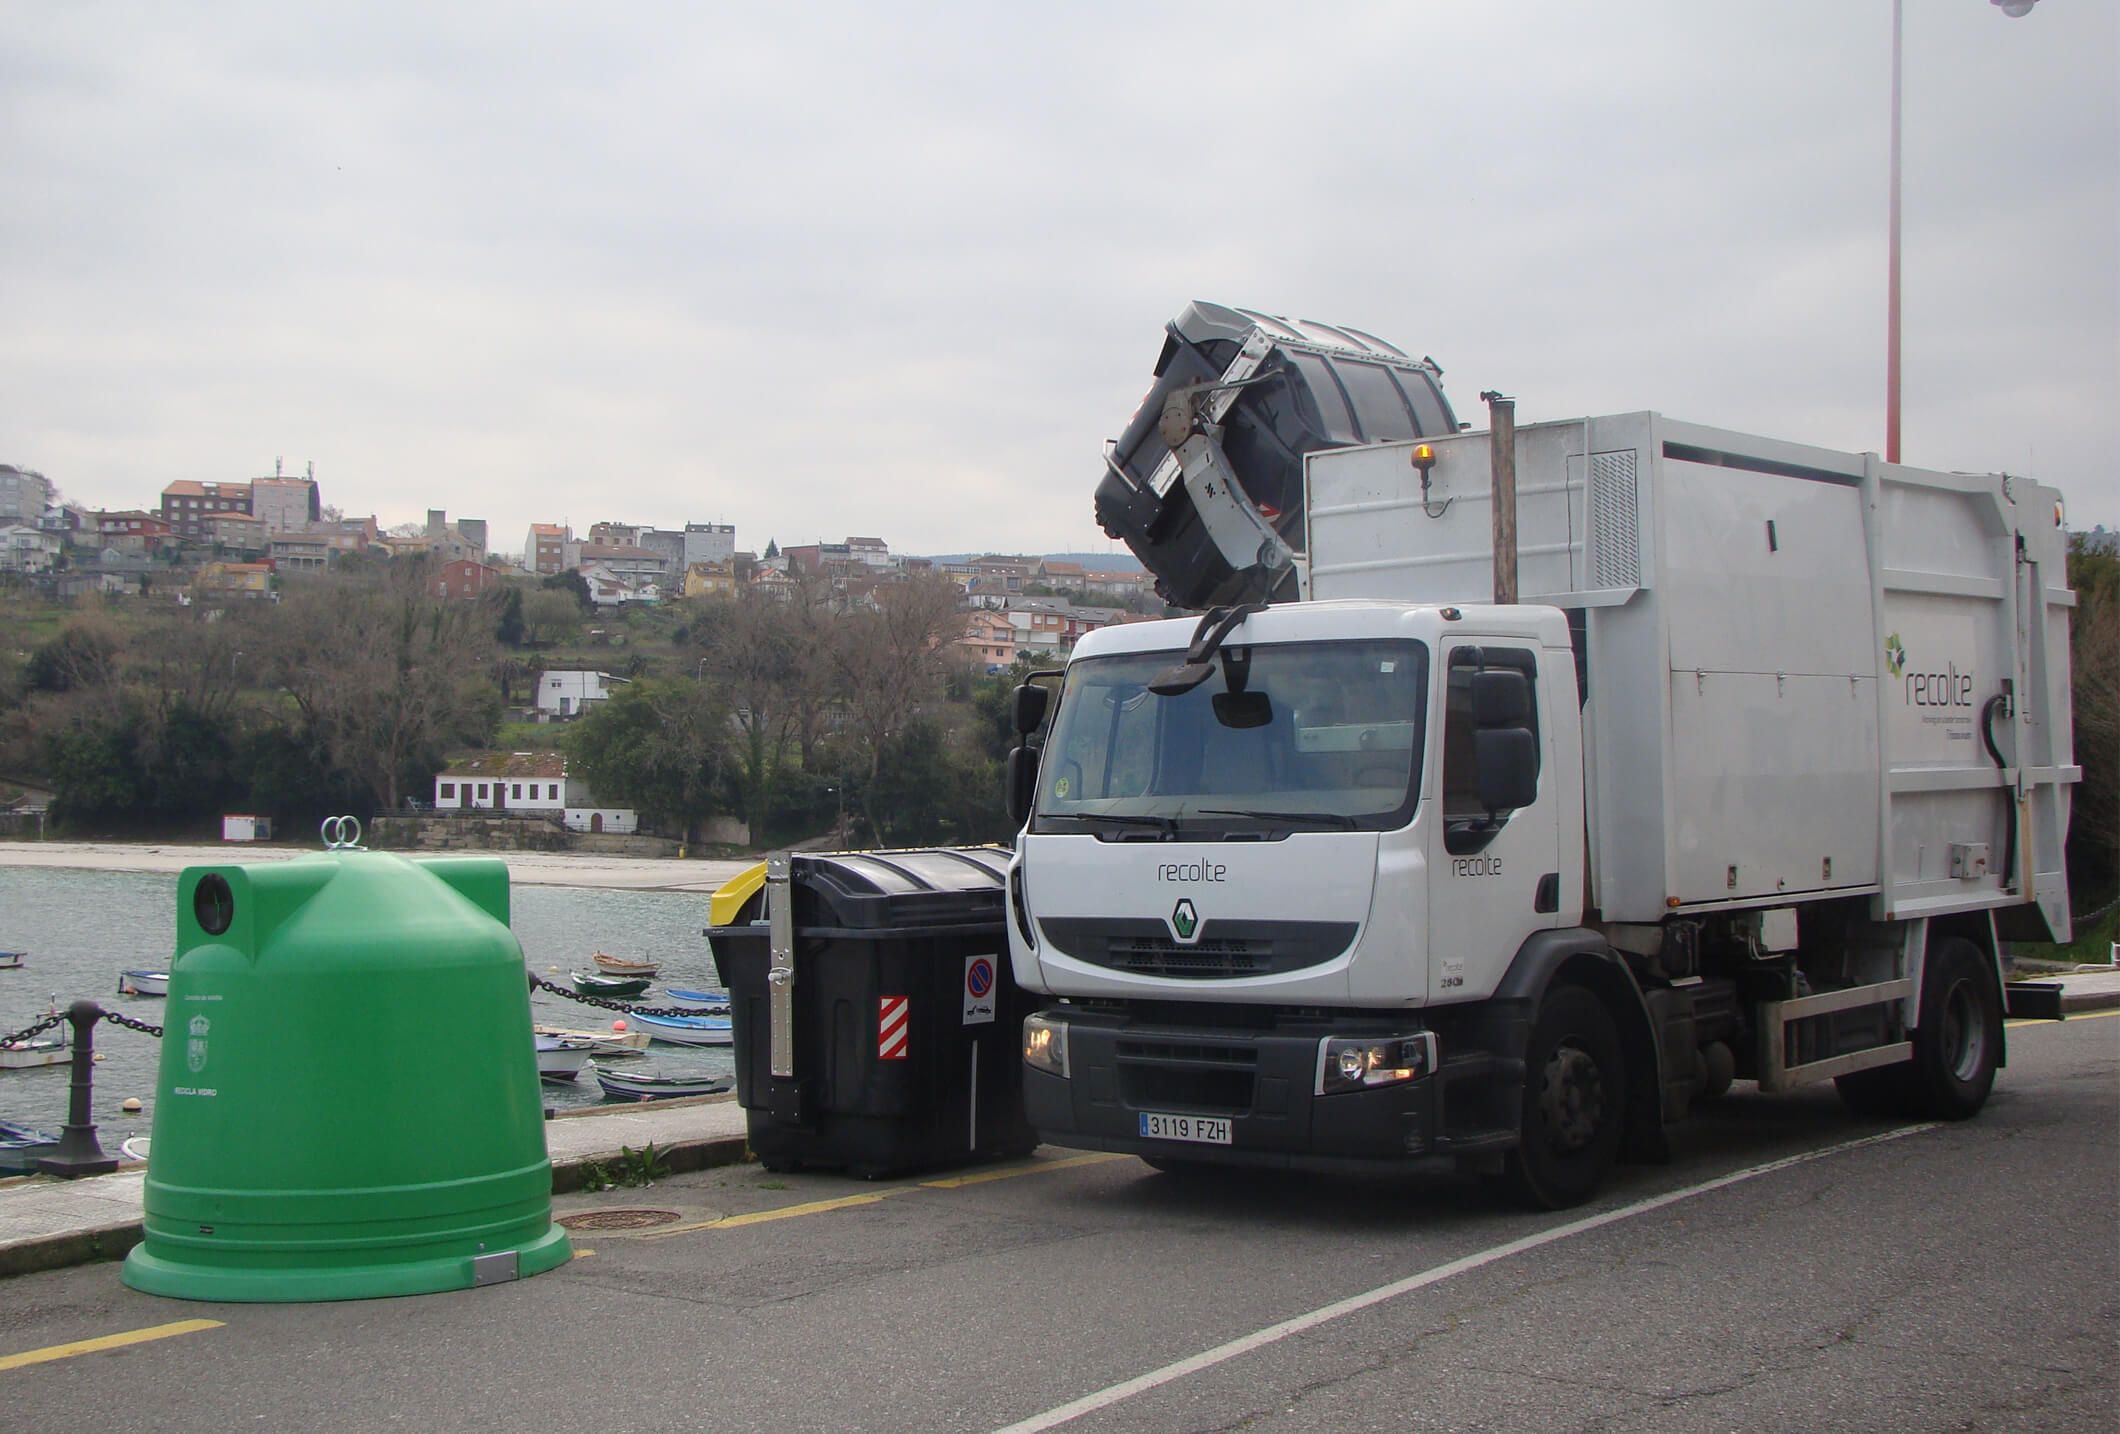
(1120, 819)
(1339, 820)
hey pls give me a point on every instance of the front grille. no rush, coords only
(1226, 949)
(1204, 960)
(1186, 1075)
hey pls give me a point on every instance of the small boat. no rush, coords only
(717, 999)
(53, 1048)
(608, 987)
(620, 966)
(607, 1043)
(648, 1086)
(688, 1030)
(11, 960)
(143, 983)
(134, 1147)
(21, 1146)
(560, 1059)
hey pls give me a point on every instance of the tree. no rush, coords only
(753, 648)
(508, 616)
(659, 746)
(2094, 651)
(890, 657)
(385, 678)
(550, 615)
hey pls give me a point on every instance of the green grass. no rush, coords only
(527, 736)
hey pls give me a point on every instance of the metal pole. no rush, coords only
(1501, 424)
(1891, 290)
(78, 1153)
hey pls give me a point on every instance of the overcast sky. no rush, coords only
(899, 270)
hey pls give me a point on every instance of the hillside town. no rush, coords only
(217, 541)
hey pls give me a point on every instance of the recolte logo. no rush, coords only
(1895, 656)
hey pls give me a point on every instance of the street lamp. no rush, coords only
(2016, 10)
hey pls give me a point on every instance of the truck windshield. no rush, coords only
(1323, 736)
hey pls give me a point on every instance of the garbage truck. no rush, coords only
(1761, 754)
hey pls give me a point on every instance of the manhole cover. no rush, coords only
(618, 1219)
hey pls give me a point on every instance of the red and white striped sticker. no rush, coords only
(891, 1027)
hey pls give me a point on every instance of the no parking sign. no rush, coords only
(978, 990)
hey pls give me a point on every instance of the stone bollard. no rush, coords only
(78, 1152)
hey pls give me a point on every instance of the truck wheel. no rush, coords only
(1575, 1102)
(1958, 1043)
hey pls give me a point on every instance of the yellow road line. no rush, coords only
(103, 1342)
(785, 1212)
(873, 1197)
(1010, 1172)
(2079, 1016)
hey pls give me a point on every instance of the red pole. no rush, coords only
(1891, 301)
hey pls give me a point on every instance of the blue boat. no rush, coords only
(687, 1030)
(718, 999)
(21, 1147)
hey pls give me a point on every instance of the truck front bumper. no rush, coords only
(1264, 1083)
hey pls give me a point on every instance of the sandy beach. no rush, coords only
(613, 873)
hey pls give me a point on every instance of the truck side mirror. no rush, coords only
(1022, 779)
(1029, 711)
(1507, 763)
(1501, 697)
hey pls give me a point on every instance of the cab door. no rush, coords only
(1493, 868)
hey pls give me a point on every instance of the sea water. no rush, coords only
(81, 928)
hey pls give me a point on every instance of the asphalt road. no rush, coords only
(1793, 1269)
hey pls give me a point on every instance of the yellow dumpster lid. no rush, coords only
(728, 900)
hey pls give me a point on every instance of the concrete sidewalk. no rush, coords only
(47, 1224)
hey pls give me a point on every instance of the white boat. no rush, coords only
(620, 966)
(11, 960)
(613, 1044)
(648, 1086)
(134, 1147)
(560, 1059)
(688, 1030)
(53, 1048)
(143, 983)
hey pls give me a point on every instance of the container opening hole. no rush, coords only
(214, 904)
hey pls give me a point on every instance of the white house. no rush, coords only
(568, 694)
(504, 782)
(24, 549)
(533, 783)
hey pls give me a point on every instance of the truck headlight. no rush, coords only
(1045, 1045)
(1360, 1062)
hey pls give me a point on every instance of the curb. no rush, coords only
(682, 1157)
(111, 1242)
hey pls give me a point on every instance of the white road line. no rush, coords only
(1273, 1333)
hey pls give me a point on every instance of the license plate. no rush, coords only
(1199, 1129)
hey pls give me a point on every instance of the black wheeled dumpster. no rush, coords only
(877, 1023)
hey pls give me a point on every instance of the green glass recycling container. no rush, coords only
(348, 1103)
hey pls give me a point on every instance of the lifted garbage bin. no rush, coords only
(877, 1023)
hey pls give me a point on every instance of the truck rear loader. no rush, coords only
(1751, 783)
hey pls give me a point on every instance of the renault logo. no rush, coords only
(1185, 921)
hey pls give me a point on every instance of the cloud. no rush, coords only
(900, 271)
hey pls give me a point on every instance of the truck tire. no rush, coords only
(1958, 1044)
(1575, 1102)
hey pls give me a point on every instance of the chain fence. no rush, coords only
(59, 1018)
(719, 1009)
